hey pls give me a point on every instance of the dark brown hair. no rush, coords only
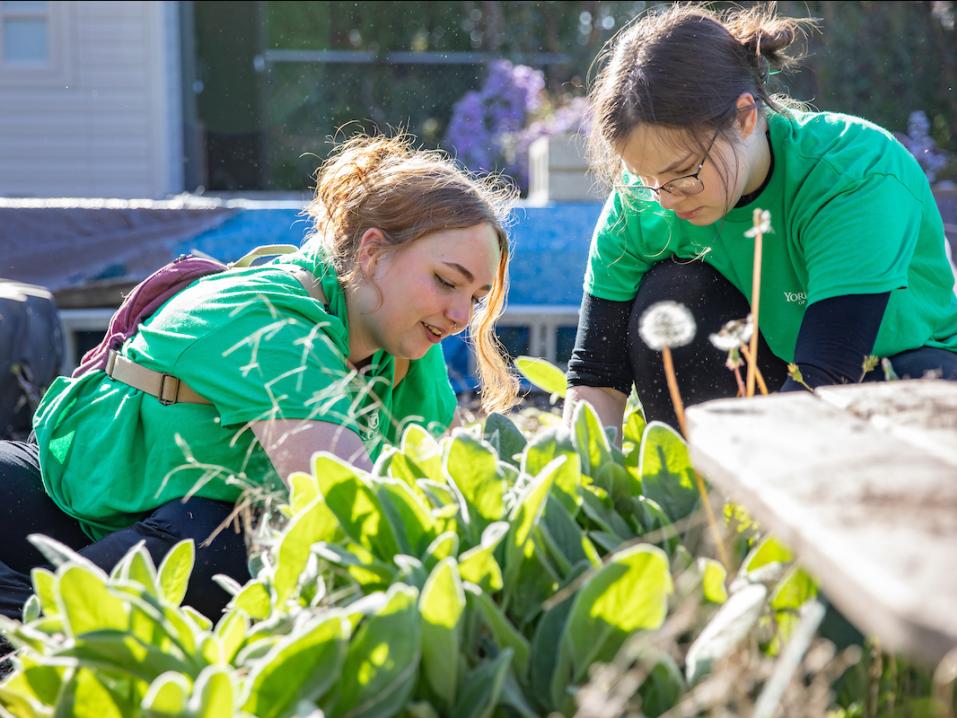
(407, 193)
(684, 67)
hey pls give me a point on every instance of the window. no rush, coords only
(25, 39)
(33, 42)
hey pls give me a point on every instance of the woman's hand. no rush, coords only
(609, 403)
(290, 444)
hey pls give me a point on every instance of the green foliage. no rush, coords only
(546, 376)
(452, 580)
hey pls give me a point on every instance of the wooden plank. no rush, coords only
(872, 516)
(922, 413)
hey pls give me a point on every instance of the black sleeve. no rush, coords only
(835, 337)
(600, 357)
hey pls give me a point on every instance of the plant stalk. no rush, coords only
(757, 371)
(755, 303)
(683, 426)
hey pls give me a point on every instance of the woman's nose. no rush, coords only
(459, 313)
(668, 200)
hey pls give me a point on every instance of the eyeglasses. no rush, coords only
(682, 186)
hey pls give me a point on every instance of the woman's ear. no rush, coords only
(372, 244)
(747, 119)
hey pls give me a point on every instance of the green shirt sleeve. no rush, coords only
(861, 240)
(615, 262)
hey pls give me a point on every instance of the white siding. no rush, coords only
(113, 128)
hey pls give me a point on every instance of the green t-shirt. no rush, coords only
(257, 346)
(851, 212)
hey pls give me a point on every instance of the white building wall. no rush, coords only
(105, 120)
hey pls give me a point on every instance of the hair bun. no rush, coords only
(769, 41)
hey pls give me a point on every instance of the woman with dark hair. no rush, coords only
(332, 348)
(686, 130)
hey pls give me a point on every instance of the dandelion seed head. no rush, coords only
(733, 334)
(762, 224)
(666, 324)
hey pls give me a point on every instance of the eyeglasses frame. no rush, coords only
(694, 175)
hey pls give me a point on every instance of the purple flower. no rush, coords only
(920, 144)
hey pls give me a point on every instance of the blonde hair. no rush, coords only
(386, 183)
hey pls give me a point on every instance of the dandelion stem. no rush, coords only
(737, 376)
(673, 388)
(757, 371)
(755, 301)
(683, 426)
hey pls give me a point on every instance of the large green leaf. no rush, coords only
(441, 605)
(483, 688)
(543, 374)
(215, 693)
(174, 572)
(137, 566)
(303, 490)
(663, 687)
(167, 696)
(359, 563)
(502, 630)
(727, 629)
(524, 519)
(33, 686)
(411, 520)
(590, 439)
(630, 592)
(254, 599)
(546, 645)
(597, 506)
(314, 523)
(442, 546)
(419, 446)
(792, 592)
(45, 585)
(382, 662)
(713, 576)
(767, 552)
(355, 505)
(118, 651)
(471, 466)
(87, 696)
(87, 604)
(302, 667)
(231, 633)
(504, 437)
(478, 565)
(566, 543)
(666, 472)
(546, 447)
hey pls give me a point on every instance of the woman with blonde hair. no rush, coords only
(332, 348)
(693, 141)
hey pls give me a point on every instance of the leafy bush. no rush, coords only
(487, 574)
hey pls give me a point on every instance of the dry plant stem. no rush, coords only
(683, 425)
(757, 372)
(945, 675)
(755, 303)
(737, 377)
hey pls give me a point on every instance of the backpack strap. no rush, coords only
(168, 389)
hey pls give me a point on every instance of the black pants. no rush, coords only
(699, 367)
(25, 508)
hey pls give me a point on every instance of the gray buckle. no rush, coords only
(174, 386)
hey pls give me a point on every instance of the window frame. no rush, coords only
(56, 70)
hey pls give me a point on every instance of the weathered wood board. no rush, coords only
(861, 483)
